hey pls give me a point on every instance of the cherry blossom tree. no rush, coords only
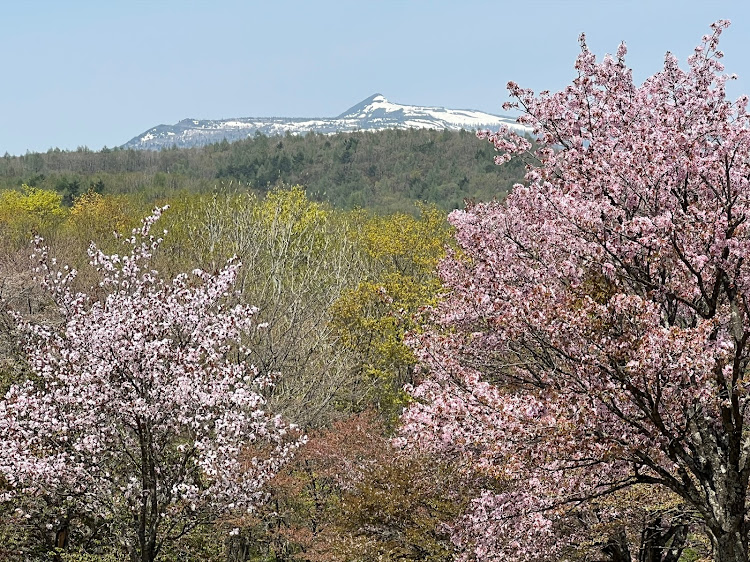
(594, 335)
(142, 410)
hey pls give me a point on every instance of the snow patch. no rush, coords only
(372, 114)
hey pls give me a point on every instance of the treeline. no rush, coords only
(385, 171)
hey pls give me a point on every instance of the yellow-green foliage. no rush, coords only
(96, 217)
(404, 244)
(295, 227)
(373, 318)
(29, 211)
(290, 206)
(64, 556)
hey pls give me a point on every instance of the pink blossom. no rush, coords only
(596, 331)
(144, 407)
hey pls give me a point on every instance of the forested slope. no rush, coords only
(384, 171)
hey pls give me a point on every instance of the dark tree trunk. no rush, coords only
(237, 548)
(730, 546)
(720, 472)
(62, 536)
(616, 549)
(727, 495)
(659, 544)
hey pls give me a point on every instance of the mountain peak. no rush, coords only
(374, 113)
(357, 109)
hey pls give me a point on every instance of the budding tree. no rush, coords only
(595, 334)
(142, 410)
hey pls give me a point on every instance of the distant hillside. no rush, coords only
(372, 114)
(384, 171)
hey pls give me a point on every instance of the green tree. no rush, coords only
(372, 319)
(28, 211)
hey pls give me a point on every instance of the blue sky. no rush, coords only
(98, 73)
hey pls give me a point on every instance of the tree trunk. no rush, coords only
(662, 545)
(658, 544)
(61, 538)
(616, 549)
(730, 546)
(237, 548)
(727, 529)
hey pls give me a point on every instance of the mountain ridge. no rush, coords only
(374, 113)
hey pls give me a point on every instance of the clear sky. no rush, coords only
(95, 73)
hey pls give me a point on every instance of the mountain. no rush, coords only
(372, 114)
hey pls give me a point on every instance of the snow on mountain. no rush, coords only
(372, 114)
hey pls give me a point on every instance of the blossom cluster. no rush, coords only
(143, 404)
(595, 331)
